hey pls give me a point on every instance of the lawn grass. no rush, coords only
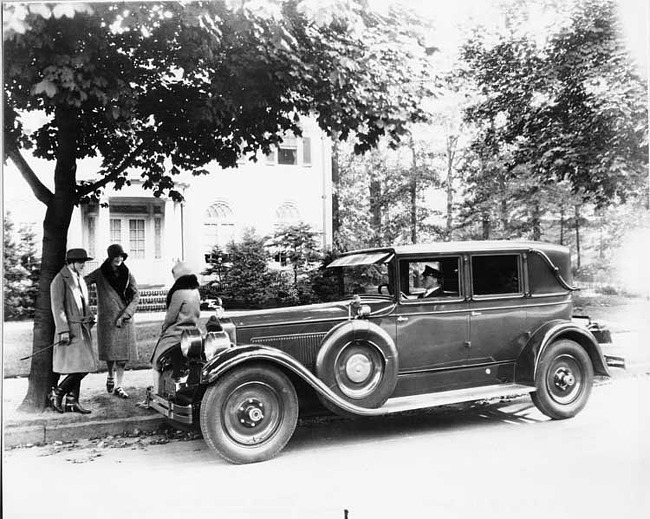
(17, 343)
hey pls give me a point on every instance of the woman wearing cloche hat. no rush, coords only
(183, 312)
(73, 354)
(117, 300)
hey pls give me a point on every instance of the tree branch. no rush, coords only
(40, 190)
(89, 188)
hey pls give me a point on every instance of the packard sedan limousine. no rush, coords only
(412, 327)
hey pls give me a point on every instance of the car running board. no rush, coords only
(456, 396)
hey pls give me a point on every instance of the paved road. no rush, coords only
(502, 461)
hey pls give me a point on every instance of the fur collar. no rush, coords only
(183, 283)
(118, 278)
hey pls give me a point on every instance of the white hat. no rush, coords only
(181, 269)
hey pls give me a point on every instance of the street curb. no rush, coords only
(20, 435)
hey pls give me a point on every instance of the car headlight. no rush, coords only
(215, 342)
(191, 343)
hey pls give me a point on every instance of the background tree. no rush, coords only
(570, 107)
(297, 244)
(246, 277)
(165, 87)
(21, 268)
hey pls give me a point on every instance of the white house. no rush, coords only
(291, 185)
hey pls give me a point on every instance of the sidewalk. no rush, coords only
(112, 415)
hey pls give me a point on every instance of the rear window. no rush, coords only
(496, 274)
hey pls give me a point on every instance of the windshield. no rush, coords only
(363, 274)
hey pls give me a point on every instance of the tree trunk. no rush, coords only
(413, 197)
(562, 225)
(451, 153)
(537, 222)
(485, 225)
(336, 213)
(375, 210)
(55, 234)
(577, 216)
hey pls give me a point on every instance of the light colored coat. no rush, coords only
(73, 316)
(114, 343)
(183, 313)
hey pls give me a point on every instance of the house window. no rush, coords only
(157, 228)
(218, 227)
(116, 230)
(288, 151)
(287, 214)
(136, 238)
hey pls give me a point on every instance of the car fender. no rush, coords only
(526, 367)
(241, 354)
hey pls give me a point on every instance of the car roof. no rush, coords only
(467, 246)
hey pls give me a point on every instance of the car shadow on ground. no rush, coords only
(313, 432)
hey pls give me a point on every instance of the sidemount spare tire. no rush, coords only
(358, 361)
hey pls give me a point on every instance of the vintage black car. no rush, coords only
(499, 322)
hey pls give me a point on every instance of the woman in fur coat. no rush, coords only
(183, 311)
(117, 300)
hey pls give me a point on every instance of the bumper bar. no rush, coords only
(178, 413)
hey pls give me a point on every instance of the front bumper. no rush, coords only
(169, 409)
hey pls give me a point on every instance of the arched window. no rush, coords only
(218, 226)
(287, 213)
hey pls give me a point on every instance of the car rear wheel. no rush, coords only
(250, 414)
(563, 379)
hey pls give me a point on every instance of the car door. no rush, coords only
(497, 308)
(432, 333)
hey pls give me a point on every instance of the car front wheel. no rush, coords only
(250, 414)
(563, 379)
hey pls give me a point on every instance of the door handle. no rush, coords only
(401, 319)
(473, 314)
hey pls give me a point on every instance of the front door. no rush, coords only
(432, 323)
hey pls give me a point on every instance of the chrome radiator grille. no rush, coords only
(304, 346)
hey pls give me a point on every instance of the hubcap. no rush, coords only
(252, 413)
(565, 379)
(358, 368)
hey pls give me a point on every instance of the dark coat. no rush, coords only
(115, 343)
(183, 312)
(72, 314)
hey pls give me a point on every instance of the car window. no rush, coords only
(496, 274)
(443, 274)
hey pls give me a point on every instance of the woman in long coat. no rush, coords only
(117, 300)
(183, 312)
(73, 354)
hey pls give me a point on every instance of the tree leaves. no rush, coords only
(203, 82)
(573, 105)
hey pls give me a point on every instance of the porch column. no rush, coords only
(103, 229)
